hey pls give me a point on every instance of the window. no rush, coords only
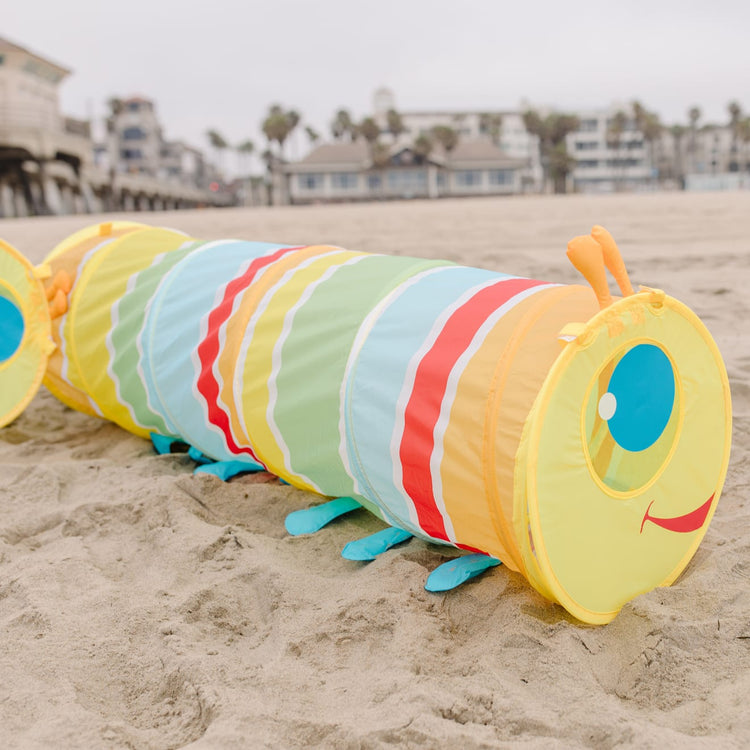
(310, 181)
(408, 181)
(468, 177)
(344, 181)
(501, 177)
(131, 153)
(586, 145)
(374, 182)
(587, 163)
(588, 126)
(2, 59)
(133, 134)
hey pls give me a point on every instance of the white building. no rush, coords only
(135, 136)
(605, 161)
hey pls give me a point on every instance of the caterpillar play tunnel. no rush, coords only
(580, 440)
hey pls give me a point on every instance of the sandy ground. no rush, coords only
(142, 607)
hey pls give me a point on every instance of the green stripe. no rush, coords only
(314, 359)
(132, 314)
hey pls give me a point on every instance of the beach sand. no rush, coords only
(143, 607)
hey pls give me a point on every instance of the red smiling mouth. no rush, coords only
(681, 524)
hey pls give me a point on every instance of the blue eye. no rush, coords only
(11, 328)
(640, 397)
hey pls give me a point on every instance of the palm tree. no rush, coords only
(342, 126)
(312, 135)
(743, 133)
(446, 136)
(694, 114)
(735, 114)
(552, 132)
(369, 130)
(492, 125)
(678, 132)
(615, 131)
(219, 144)
(278, 125)
(422, 147)
(396, 125)
(561, 164)
(651, 129)
(244, 150)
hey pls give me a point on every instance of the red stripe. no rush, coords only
(209, 347)
(423, 409)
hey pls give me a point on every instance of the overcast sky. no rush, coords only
(221, 63)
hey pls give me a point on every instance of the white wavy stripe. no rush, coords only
(64, 321)
(115, 320)
(276, 362)
(450, 396)
(359, 341)
(408, 386)
(247, 336)
(139, 336)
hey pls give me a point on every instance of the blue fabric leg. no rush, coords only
(310, 520)
(375, 544)
(453, 573)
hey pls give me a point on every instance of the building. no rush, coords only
(350, 172)
(49, 164)
(505, 128)
(607, 159)
(42, 153)
(134, 136)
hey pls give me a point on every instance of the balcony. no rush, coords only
(32, 133)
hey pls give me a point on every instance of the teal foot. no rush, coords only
(198, 456)
(310, 520)
(163, 444)
(375, 544)
(453, 573)
(228, 469)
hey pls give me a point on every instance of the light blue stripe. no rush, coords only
(376, 380)
(174, 328)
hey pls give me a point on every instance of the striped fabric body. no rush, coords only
(401, 382)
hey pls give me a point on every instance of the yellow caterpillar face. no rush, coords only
(621, 480)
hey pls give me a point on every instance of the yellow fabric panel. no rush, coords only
(475, 521)
(258, 366)
(228, 363)
(67, 257)
(102, 282)
(520, 372)
(601, 524)
(92, 235)
(21, 374)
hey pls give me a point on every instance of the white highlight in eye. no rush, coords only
(607, 406)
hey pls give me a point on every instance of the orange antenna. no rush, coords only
(613, 259)
(585, 253)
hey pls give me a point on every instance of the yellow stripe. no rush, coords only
(103, 281)
(258, 365)
(67, 257)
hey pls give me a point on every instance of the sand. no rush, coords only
(143, 607)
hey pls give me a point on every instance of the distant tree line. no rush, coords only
(551, 130)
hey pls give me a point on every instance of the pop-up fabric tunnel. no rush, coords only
(579, 438)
